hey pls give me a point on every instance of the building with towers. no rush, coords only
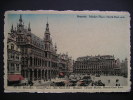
(39, 58)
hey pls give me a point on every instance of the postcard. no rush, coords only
(47, 51)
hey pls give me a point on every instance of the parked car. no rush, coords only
(87, 79)
(98, 83)
(97, 75)
(82, 83)
(72, 82)
(59, 84)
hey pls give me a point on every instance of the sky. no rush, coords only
(83, 35)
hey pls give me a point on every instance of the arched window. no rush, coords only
(12, 47)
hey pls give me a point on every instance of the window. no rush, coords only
(22, 50)
(17, 57)
(13, 56)
(7, 46)
(12, 47)
(46, 46)
(46, 55)
(12, 67)
(8, 66)
(25, 50)
(8, 55)
(17, 67)
(21, 39)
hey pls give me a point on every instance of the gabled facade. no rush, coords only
(13, 59)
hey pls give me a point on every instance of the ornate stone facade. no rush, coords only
(98, 65)
(13, 58)
(39, 57)
(65, 64)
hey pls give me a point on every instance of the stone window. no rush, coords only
(7, 46)
(12, 67)
(8, 66)
(17, 67)
(12, 56)
(9, 55)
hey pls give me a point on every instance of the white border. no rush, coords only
(59, 90)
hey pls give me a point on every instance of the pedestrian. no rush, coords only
(117, 82)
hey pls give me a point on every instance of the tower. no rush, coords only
(20, 20)
(47, 33)
(47, 38)
(12, 29)
(20, 25)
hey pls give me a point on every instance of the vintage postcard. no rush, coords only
(49, 51)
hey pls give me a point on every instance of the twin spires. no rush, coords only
(21, 24)
(29, 28)
(47, 39)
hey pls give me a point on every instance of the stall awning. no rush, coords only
(15, 77)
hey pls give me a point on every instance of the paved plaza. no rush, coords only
(106, 80)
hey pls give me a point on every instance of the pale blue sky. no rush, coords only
(81, 36)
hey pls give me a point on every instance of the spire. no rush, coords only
(29, 29)
(47, 20)
(20, 19)
(55, 47)
(47, 25)
(47, 33)
(12, 28)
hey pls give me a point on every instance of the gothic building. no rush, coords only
(39, 58)
(97, 65)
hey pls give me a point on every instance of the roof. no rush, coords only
(94, 58)
(38, 41)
